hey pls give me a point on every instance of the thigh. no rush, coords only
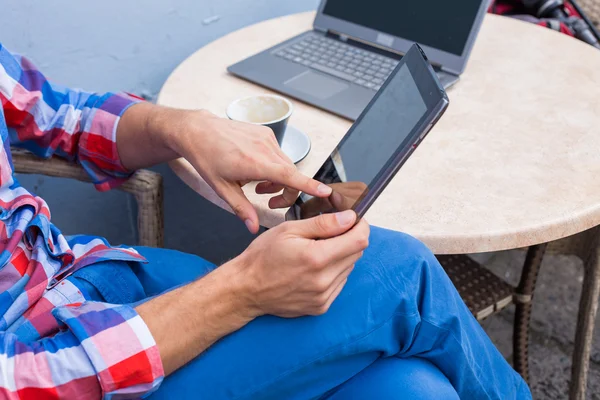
(396, 378)
(122, 282)
(167, 269)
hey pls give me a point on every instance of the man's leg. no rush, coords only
(397, 303)
(396, 378)
(121, 282)
(167, 269)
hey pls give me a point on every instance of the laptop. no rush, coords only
(356, 44)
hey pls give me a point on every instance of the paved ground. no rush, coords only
(553, 326)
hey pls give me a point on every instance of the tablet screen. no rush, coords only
(354, 167)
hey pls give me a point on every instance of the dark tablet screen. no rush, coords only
(389, 123)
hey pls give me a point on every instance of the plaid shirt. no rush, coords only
(54, 343)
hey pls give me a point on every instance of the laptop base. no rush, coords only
(321, 86)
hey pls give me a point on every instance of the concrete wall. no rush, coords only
(121, 44)
(131, 46)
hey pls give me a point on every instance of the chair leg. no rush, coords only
(588, 307)
(523, 300)
(147, 187)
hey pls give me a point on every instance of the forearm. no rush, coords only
(141, 141)
(188, 320)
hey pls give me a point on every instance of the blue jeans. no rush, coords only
(399, 330)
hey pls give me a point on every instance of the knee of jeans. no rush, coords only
(398, 268)
(393, 377)
(399, 252)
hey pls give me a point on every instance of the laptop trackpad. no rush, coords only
(316, 85)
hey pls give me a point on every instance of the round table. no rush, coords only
(514, 162)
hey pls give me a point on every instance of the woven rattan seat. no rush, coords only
(482, 291)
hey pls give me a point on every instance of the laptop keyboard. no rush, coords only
(339, 59)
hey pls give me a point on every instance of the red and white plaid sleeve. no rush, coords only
(49, 119)
(106, 351)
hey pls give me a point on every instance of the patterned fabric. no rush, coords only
(54, 343)
(516, 9)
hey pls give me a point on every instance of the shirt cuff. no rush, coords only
(98, 153)
(119, 345)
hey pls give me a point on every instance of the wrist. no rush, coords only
(162, 125)
(241, 288)
(176, 129)
(201, 313)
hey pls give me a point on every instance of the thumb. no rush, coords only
(326, 225)
(241, 206)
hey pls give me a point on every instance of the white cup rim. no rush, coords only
(286, 116)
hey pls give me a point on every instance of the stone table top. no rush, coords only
(515, 161)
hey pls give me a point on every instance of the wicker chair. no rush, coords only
(586, 246)
(145, 186)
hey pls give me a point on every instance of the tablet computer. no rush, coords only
(383, 137)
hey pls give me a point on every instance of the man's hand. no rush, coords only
(300, 267)
(227, 154)
(295, 269)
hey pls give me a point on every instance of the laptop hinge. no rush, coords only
(364, 44)
(377, 48)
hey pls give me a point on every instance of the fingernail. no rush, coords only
(249, 224)
(345, 218)
(323, 189)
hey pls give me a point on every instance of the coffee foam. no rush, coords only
(258, 110)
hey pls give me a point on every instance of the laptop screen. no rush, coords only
(441, 24)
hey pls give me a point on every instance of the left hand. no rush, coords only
(229, 154)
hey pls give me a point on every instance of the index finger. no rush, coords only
(289, 176)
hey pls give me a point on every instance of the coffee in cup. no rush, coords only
(268, 110)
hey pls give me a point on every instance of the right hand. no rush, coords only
(288, 272)
(229, 154)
